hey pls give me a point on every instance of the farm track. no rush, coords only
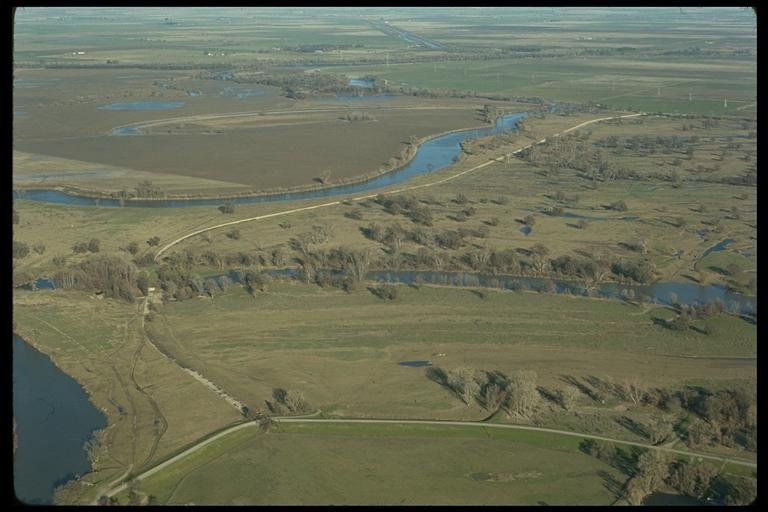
(404, 189)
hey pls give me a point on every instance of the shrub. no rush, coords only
(20, 249)
(227, 207)
(385, 291)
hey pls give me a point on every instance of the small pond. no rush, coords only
(718, 247)
(361, 82)
(526, 230)
(415, 364)
(661, 499)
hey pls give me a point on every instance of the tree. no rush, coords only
(155, 240)
(142, 283)
(462, 382)
(227, 207)
(523, 395)
(234, 234)
(651, 471)
(660, 429)
(80, 247)
(94, 245)
(324, 177)
(132, 248)
(692, 479)
(568, 396)
(529, 220)
(20, 249)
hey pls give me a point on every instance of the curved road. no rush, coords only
(163, 465)
(414, 187)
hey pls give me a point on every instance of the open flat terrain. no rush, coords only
(228, 101)
(392, 465)
(342, 350)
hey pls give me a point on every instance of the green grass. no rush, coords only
(375, 464)
(628, 83)
(384, 464)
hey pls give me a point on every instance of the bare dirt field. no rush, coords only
(283, 154)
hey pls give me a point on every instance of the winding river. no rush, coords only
(433, 155)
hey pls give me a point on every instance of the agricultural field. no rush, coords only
(535, 228)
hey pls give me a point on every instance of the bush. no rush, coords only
(385, 291)
(80, 247)
(227, 207)
(132, 248)
(20, 249)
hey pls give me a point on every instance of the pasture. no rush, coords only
(383, 464)
(342, 350)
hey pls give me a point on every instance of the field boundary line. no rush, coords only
(414, 187)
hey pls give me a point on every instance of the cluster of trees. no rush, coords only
(299, 85)
(359, 116)
(700, 416)
(384, 291)
(651, 470)
(687, 314)
(144, 190)
(20, 249)
(496, 261)
(514, 393)
(406, 205)
(288, 401)
(109, 273)
(93, 245)
(227, 207)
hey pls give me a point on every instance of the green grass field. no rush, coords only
(385, 465)
(338, 464)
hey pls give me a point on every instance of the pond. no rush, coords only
(433, 155)
(240, 93)
(366, 98)
(526, 230)
(661, 499)
(54, 420)
(361, 82)
(718, 247)
(143, 105)
(415, 364)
